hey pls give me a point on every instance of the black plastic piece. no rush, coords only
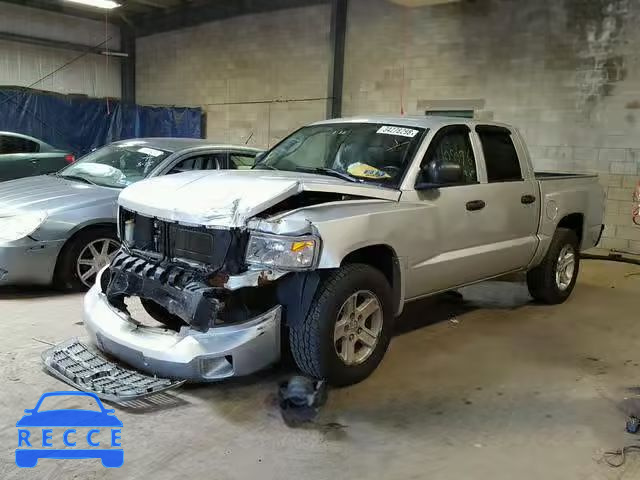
(182, 292)
(295, 293)
(218, 249)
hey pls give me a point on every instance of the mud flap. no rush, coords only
(88, 370)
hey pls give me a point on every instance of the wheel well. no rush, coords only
(70, 240)
(383, 258)
(575, 222)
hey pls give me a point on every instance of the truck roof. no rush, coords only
(423, 121)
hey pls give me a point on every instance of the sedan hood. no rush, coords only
(50, 193)
(228, 198)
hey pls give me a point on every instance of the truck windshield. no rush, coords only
(115, 166)
(359, 152)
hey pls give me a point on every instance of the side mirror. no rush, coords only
(440, 175)
(28, 410)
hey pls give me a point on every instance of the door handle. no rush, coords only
(34, 162)
(526, 199)
(476, 205)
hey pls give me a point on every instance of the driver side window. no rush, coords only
(452, 145)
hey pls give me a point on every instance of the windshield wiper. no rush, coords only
(330, 172)
(77, 177)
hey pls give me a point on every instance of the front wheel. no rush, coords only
(553, 280)
(348, 327)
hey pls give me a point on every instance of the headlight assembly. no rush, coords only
(282, 252)
(19, 226)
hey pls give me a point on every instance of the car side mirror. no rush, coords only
(28, 410)
(440, 175)
(260, 157)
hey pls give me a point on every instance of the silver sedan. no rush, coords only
(61, 228)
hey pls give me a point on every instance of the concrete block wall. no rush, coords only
(257, 76)
(565, 72)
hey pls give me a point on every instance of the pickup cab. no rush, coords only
(326, 239)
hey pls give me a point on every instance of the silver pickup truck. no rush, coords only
(322, 244)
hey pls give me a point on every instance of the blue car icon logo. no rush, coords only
(101, 422)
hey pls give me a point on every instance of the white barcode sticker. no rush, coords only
(399, 131)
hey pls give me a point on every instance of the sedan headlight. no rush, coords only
(282, 252)
(19, 226)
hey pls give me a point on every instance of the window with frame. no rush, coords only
(452, 145)
(10, 144)
(500, 155)
(199, 162)
(241, 161)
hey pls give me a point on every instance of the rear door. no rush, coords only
(510, 193)
(18, 157)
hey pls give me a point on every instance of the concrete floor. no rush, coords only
(493, 388)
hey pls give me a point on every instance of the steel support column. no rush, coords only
(336, 61)
(128, 65)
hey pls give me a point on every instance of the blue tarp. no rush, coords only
(79, 124)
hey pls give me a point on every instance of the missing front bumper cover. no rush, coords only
(182, 292)
(87, 370)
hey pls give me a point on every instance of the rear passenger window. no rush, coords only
(10, 144)
(200, 162)
(500, 154)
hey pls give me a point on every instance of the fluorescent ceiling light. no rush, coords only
(108, 4)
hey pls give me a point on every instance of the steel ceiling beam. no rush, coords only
(46, 42)
(174, 18)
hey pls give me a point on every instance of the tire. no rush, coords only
(162, 315)
(68, 271)
(313, 344)
(542, 281)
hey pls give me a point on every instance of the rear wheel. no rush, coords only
(84, 256)
(348, 328)
(553, 280)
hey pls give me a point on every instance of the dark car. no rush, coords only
(24, 156)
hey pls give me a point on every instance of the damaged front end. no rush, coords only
(221, 317)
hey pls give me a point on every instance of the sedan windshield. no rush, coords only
(357, 152)
(115, 166)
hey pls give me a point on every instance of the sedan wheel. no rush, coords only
(94, 257)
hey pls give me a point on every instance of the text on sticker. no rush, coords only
(402, 132)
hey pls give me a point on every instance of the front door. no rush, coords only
(453, 234)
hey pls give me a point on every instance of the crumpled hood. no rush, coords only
(51, 194)
(228, 198)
